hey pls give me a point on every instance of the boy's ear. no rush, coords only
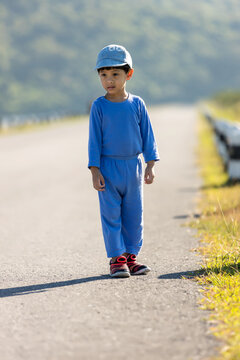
(130, 74)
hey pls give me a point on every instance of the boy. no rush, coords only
(119, 131)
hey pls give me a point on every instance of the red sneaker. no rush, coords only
(119, 268)
(134, 267)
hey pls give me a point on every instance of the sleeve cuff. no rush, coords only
(154, 157)
(95, 164)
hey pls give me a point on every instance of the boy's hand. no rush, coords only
(97, 179)
(149, 172)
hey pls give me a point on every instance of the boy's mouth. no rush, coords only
(110, 87)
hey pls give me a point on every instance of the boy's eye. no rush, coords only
(115, 74)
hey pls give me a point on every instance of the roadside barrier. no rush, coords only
(227, 139)
(10, 121)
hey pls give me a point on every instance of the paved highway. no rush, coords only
(57, 301)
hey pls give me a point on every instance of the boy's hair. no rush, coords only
(125, 68)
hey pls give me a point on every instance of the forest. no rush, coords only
(182, 50)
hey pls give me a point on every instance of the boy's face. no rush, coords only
(114, 80)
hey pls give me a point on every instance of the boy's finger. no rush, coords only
(149, 180)
(102, 180)
(101, 186)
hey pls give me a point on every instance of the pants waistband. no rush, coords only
(116, 157)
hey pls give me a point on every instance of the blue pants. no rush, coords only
(121, 205)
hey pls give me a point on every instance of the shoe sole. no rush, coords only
(120, 274)
(142, 271)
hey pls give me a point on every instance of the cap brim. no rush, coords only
(108, 63)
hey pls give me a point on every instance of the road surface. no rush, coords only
(57, 301)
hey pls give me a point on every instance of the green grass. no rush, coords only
(39, 126)
(227, 112)
(219, 230)
(226, 104)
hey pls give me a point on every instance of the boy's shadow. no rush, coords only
(30, 289)
(230, 270)
(182, 274)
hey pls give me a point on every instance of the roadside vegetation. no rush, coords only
(219, 231)
(226, 105)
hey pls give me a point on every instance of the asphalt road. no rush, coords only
(57, 301)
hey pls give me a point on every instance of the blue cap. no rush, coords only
(113, 55)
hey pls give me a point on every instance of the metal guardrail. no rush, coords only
(227, 139)
(9, 121)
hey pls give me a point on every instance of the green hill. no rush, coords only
(182, 50)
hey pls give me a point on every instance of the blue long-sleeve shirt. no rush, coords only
(120, 129)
